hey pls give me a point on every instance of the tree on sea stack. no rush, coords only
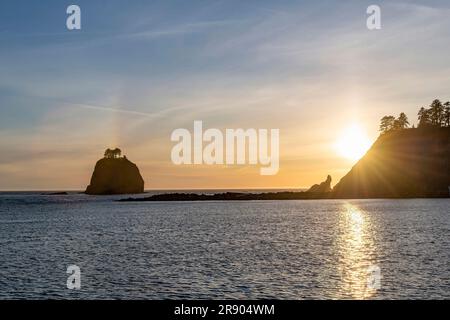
(113, 154)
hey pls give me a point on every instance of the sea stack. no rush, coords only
(115, 175)
(323, 187)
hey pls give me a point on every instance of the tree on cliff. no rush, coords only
(423, 117)
(447, 114)
(438, 114)
(401, 122)
(389, 123)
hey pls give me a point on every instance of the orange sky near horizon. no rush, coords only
(130, 77)
(304, 160)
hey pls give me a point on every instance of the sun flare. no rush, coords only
(353, 143)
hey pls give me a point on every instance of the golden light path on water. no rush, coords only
(356, 249)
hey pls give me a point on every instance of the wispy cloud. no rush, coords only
(182, 29)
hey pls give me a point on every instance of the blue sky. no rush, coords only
(139, 69)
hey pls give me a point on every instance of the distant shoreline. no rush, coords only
(165, 195)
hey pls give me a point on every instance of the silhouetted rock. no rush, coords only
(62, 193)
(403, 163)
(323, 187)
(115, 176)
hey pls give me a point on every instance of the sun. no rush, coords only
(353, 143)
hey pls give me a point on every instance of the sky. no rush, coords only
(137, 70)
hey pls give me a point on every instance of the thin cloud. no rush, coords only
(182, 29)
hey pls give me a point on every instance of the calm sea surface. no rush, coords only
(230, 250)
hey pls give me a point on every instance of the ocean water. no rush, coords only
(314, 249)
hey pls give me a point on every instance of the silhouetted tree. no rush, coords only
(117, 153)
(387, 123)
(401, 122)
(108, 153)
(424, 117)
(112, 154)
(447, 114)
(436, 113)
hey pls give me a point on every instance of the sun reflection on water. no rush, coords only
(356, 251)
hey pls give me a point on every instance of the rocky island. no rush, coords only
(115, 175)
